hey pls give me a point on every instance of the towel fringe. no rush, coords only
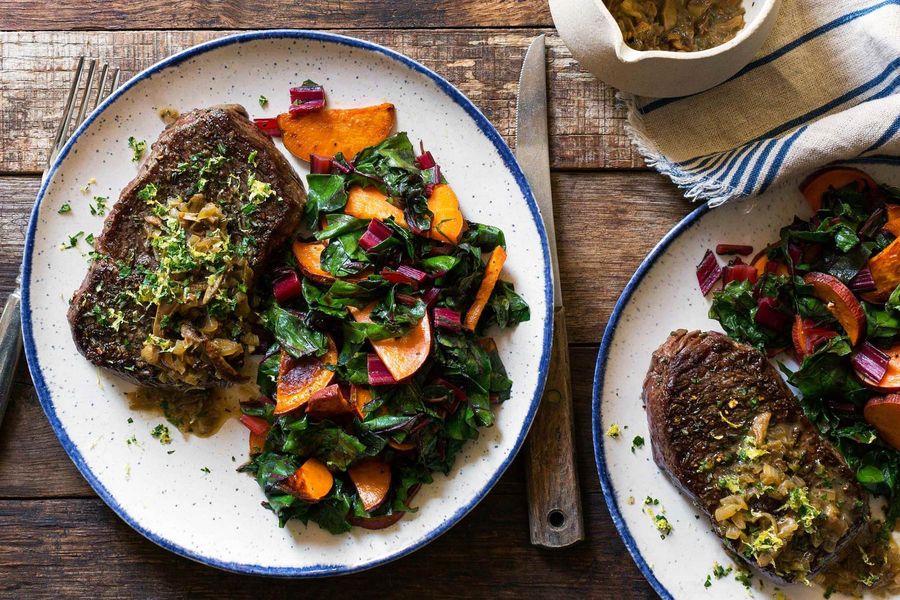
(697, 186)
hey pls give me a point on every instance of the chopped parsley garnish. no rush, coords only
(263, 101)
(73, 241)
(98, 208)
(138, 147)
(719, 571)
(65, 208)
(708, 582)
(132, 441)
(205, 469)
(89, 239)
(251, 158)
(614, 431)
(744, 578)
(637, 442)
(161, 432)
(662, 526)
(130, 420)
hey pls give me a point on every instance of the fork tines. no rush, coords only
(83, 98)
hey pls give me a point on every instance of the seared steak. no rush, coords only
(166, 301)
(730, 434)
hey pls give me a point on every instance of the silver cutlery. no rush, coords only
(554, 496)
(83, 97)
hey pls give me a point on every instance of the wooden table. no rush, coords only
(58, 538)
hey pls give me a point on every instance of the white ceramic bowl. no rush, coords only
(595, 40)
(192, 501)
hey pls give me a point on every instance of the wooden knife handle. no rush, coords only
(554, 496)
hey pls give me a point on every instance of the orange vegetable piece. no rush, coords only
(359, 397)
(404, 355)
(447, 224)
(491, 275)
(814, 186)
(884, 415)
(840, 302)
(372, 478)
(312, 481)
(369, 203)
(893, 219)
(329, 131)
(257, 443)
(309, 259)
(300, 378)
(885, 267)
(328, 403)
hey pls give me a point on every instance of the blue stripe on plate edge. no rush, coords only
(44, 393)
(609, 493)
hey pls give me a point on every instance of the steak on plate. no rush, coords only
(167, 300)
(732, 436)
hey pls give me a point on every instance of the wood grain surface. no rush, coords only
(58, 539)
(269, 14)
(586, 130)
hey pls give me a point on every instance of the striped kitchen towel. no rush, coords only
(823, 89)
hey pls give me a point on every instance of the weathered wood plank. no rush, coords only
(21, 15)
(587, 131)
(605, 224)
(79, 548)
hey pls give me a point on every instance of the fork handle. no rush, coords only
(10, 348)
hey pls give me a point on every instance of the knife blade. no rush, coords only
(554, 495)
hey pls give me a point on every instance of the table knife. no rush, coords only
(554, 496)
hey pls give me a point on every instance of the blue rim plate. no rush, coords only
(539, 360)
(653, 303)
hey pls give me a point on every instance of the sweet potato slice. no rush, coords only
(404, 355)
(309, 259)
(332, 130)
(372, 478)
(369, 203)
(884, 415)
(814, 186)
(312, 481)
(329, 403)
(257, 443)
(840, 302)
(893, 219)
(885, 267)
(385, 521)
(300, 378)
(491, 275)
(359, 397)
(447, 224)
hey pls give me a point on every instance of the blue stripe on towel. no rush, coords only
(776, 54)
(779, 159)
(811, 115)
(886, 136)
(757, 168)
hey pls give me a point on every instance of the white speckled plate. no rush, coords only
(216, 517)
(661, 297)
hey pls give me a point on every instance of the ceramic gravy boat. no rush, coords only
(595, 40)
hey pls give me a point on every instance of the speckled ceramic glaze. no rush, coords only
(216, 517)
(664, 296)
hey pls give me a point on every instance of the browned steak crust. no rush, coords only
(702, 394)
(217, 152)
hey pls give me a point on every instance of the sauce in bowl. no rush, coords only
(677, 25)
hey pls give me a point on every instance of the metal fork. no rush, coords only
(82, 98)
